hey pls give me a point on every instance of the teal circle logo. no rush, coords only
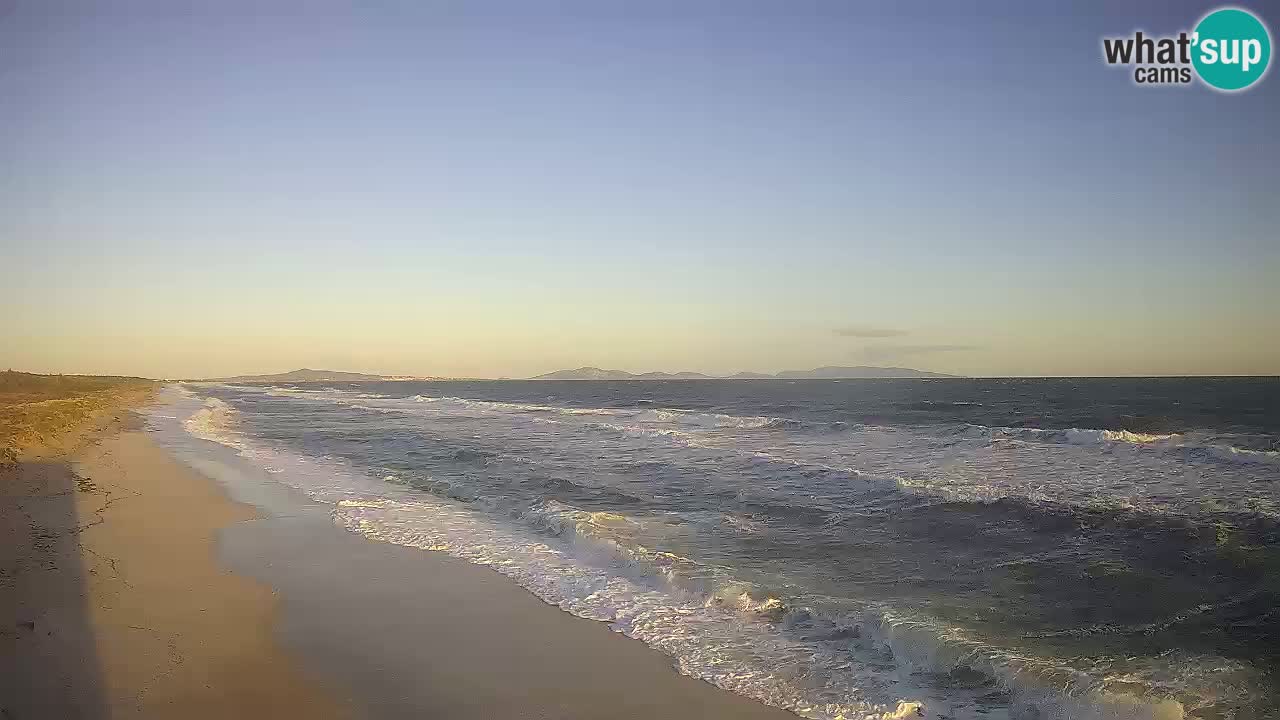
(1231, 49)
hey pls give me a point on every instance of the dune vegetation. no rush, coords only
(35, 409)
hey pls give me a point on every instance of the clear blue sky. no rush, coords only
(508, 188)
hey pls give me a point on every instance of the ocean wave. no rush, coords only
(691, 423)
(214, 422)
(696, 614)
(1231, 454)
(705, 640)
(1072, 436)
(1187, 443)
(960, 463)
(692, 419)
(508, 406)
(645, 412)
(321, 393)
(818, 658)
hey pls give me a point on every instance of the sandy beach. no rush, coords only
(114, 602)
(120, 599)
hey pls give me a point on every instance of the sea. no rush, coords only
(938, 548)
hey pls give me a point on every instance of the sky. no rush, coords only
(508, 188)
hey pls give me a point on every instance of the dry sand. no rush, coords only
(112, 600)
(115, 602)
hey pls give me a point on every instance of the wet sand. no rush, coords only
(420, 634)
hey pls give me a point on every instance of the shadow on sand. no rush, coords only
(49, 665)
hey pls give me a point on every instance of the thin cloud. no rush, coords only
(864, 331)
(886, 352)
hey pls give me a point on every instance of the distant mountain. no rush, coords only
(672, 376)
(828, 372)
(587, 373)
(307, 375)
(595, 373)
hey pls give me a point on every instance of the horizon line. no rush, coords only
(459, 378)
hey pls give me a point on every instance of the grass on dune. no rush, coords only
(35, 409)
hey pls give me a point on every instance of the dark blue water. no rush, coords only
(1154, 405)
(988, 548)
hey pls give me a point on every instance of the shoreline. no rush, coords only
(418, 633)
(147, 585)
(415, 633)
(113, 598)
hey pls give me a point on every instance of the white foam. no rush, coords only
(213, 422)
